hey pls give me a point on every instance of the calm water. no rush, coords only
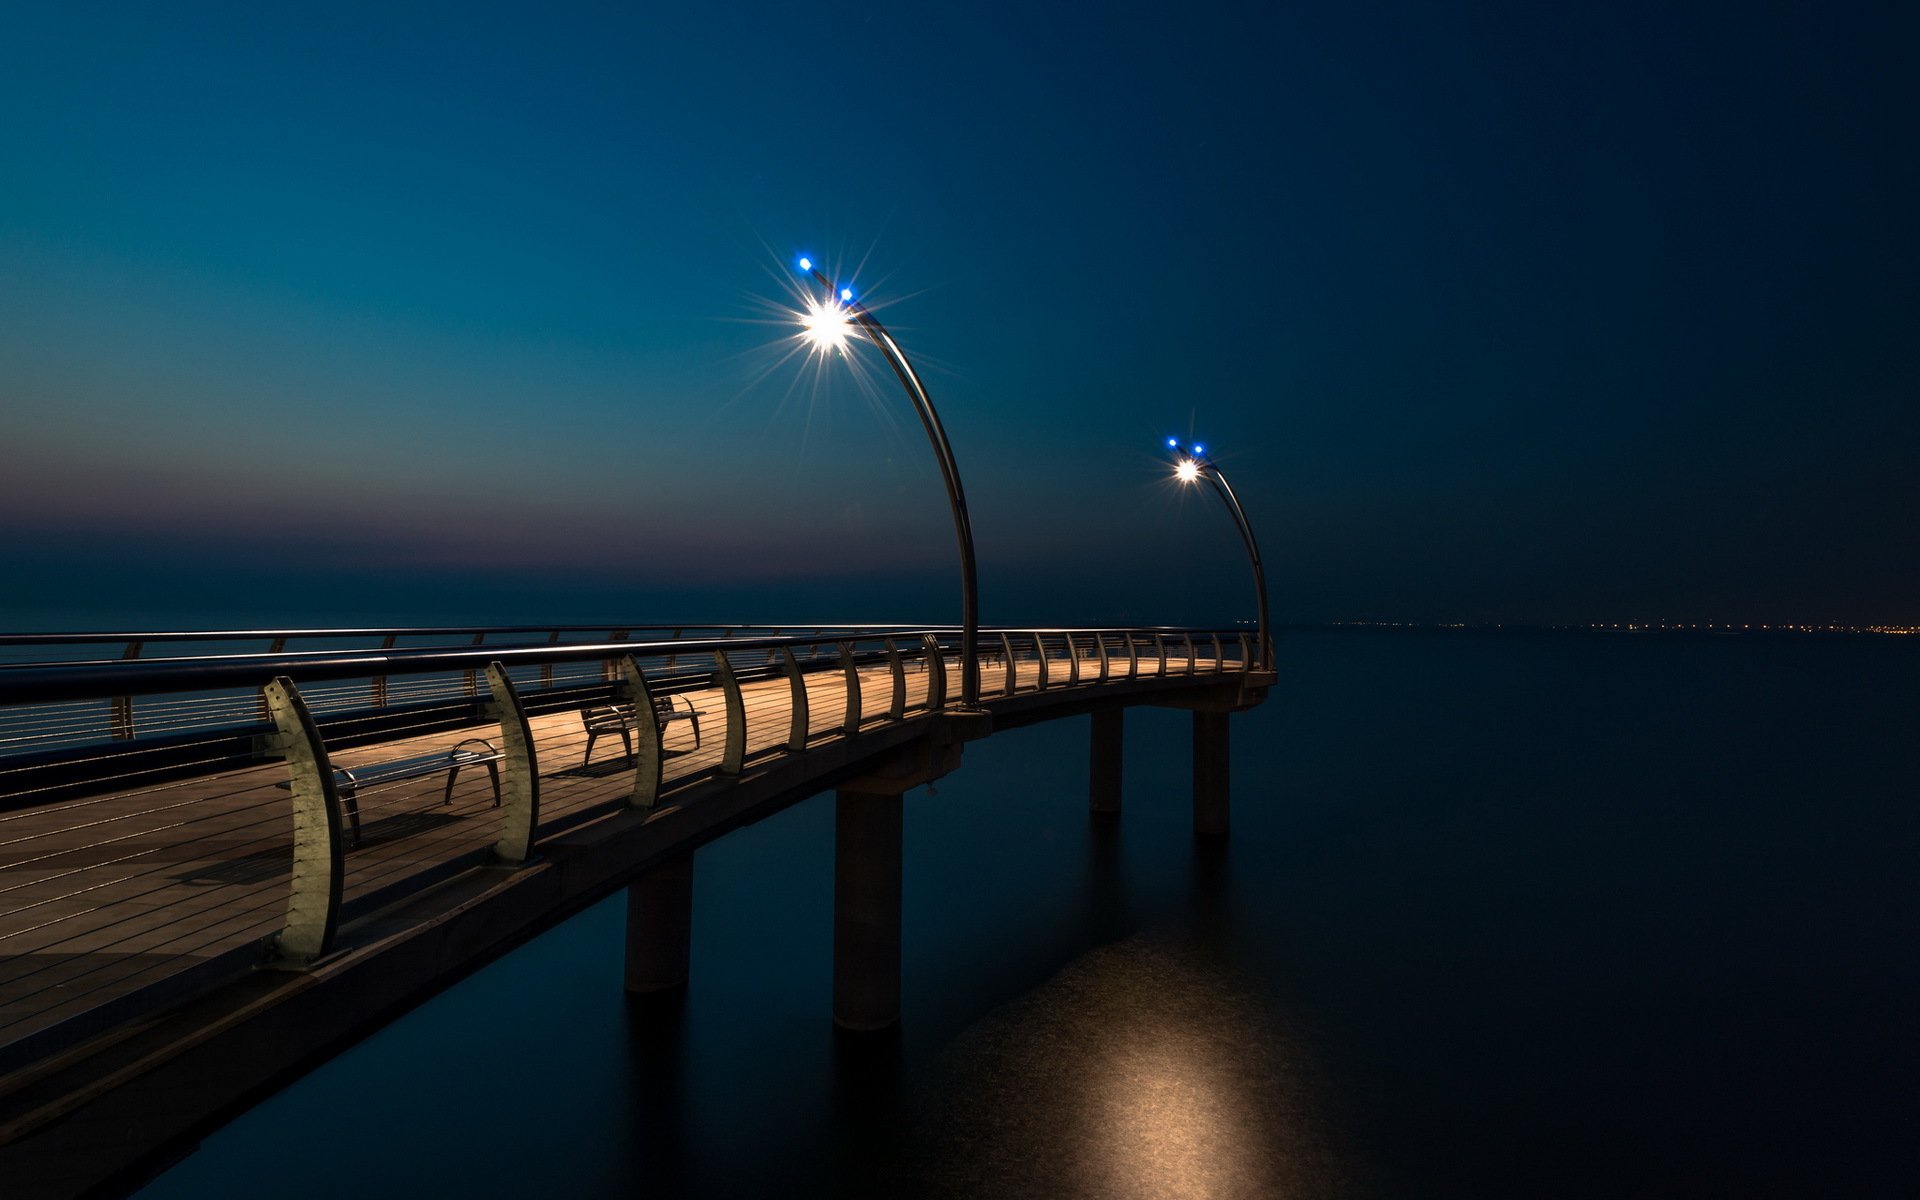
(1501, 915)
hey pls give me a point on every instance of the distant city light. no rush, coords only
(824, 325)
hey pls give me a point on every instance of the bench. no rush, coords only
(348, 781)
(619, 719)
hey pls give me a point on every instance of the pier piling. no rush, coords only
(660, 926)
(1106, 755)
(1210, 773)
(866, 909)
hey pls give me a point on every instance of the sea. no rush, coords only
(1526, 914)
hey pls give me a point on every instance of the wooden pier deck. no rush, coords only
(102, 897)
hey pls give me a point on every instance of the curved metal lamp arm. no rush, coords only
(949, 473)
(1225, 489)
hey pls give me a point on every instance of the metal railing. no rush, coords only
(168, 820)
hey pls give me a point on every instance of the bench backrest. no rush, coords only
(610, 716)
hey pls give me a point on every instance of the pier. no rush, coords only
(226, 856)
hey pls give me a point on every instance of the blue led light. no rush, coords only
(806, 264)
(1198, 450)
(1172, 442)
(846, 294)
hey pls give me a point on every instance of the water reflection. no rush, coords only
(1145, 1067)
(1175, 1123)
(867, 1108)
(656, 1047)
(1138, 1070)
(1107, 912)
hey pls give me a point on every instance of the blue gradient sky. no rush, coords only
(1496, 312)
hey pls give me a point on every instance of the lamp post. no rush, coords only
(1191, 467)
(827, 324)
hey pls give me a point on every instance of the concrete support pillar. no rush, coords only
(1210, 773)
(660, 926)
(866, 909)
(1104, 768)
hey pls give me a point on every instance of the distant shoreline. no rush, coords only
(1687, 630)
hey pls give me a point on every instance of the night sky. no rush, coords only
(1492, 312)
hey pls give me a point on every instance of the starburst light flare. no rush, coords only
(825, 326)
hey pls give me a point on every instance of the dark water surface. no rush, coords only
(1501, 915)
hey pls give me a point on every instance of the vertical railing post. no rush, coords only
(1073, 660)
(1133, 656)
(473, 677)
(546, 669)
(377, 688)
(1100, 645)
(897, 709)
(734, 756)
(1160, 647)
(1013, 682)
(1192, 664)
(276, 646)
(1219, 656)
(610, 669)
(850, 671)
(1246, 655)
(649, 757)
(673, 658)
(319, 860)
(121, 719)
(800, 724)
(936, 674)
(520, 789)
(1040, 654)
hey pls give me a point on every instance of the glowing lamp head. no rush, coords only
(1186, 470)
(824, 326)
(846, 295)
(1199, 451)
(806, 264)
(1172, 442)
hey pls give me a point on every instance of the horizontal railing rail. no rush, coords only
(164, 820)
(29, 651)
(39, 648)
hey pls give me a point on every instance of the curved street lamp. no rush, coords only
(827, 324)
(1193, 465)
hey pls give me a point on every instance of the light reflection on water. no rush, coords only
(1140, 1070)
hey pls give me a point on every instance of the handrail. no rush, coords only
(43, 682)
(78, 637)
(825, 632)
(37, 683)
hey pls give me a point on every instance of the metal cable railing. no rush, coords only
(167, 815)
